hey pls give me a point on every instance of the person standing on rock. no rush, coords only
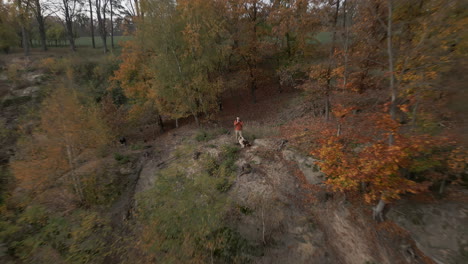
(238, 128)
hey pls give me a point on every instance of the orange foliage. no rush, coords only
(350, 163)
(133, 75)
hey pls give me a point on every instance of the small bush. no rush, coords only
(228, 157)
(121, 159)
(52, 66)
(184, 150)
(245, 210)
(101, 188)
(211, 166)
(136, 146)
(224, 185)
(5, 179)
(13, 73)
(202, 135)
(233, 248)
(19, 100)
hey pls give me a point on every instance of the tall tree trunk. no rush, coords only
(112, 25)
(41, 26)
(253, 87)
(160, 123)
(24, 32)
(69, 25)
(280, 84)
(378, 210)
(101, 16)
(414, 115)
(197, 121)
(104, 29)
(137, 8)
(330, 62)
(91, 23)
(393, 90)
(25, 40)
(346, 45)
(71, 38)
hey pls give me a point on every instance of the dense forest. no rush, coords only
(122, 150)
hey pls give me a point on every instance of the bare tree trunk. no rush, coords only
(442, 185)
(327, 105)
(197, 121)
(24, 32)
(378, 210)
(25, 40)
(160, 123)
(69, 24)
(393, 90)
(177, 122)
(280, 85)
(415, 113)
(101, 16)
(346, 45)
(91, 22)
(137, 8)
(41, 26)
(330, 62)
(253, 87)
(71, 38)
(112, 25)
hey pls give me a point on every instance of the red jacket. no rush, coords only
(238, 125)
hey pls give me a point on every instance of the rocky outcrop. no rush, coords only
(439, 229)
(307, 165)
(270, 196)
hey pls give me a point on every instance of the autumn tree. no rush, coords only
(134, 78)
(8, 35)
(293, 25)
(49, 154)
(398, 58)
(247, 18)
(183, 46)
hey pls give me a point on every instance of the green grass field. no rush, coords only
(86, 41)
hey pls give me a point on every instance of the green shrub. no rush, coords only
(203, 135)
(121, 159)
(13, 73)
(228, 157)
(101, 188)
(224, 185)
(137, 146)
(245, 210)
(15, 101)
(5, 179)
(182, 211)
(233, 248)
